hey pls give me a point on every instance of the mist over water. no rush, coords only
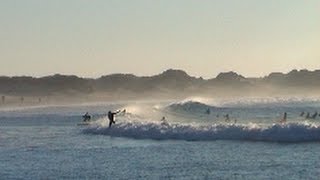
(152, 136)
(200, 90)
(196, 119)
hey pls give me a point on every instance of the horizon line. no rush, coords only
(127, 73)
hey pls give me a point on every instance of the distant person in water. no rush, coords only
(314, 116)
(284, 119)
(86, 117)
(302, 113)
(164, 121)
(308, 116)
(111, 117)
(208, 111)
(227, 118)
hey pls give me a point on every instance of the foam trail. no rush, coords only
(292, 132)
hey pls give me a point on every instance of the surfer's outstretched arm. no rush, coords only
(117, 112)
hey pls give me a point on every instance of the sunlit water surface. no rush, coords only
(193, 143)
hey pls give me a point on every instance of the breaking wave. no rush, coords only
(190, 107)
(291, 132)
(249, 102)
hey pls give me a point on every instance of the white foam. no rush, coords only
(291, 132)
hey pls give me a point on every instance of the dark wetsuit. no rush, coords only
(314, 116)
(111, 118)
(284, 117)
(86, 117)
(208, 111)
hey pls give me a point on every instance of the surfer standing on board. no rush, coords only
(284, 119)
(111, 117)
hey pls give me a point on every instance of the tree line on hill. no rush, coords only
(175, 82)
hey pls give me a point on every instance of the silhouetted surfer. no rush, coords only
(164, 122)
(314, 116)
(308, 116)
(111, 117)
(208, 111)
(227, 118)
(86, 117)
(284, 119)
(302, 113)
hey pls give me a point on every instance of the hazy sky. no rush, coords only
(96, 37)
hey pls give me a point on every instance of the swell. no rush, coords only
(291, 132)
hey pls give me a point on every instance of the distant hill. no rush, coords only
(49, 85)
(295, 78)
(170, 83)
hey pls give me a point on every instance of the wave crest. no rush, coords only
(189, 106)
(291, 132)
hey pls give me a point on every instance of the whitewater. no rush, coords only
(191, 122)
(193, 138)
(292, 132)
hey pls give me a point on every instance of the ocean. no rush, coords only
(194, 138)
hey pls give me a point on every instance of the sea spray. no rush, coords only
(291, 132)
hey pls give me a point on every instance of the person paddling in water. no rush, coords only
(111, 117)
(86, 117)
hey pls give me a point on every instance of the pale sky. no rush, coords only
(90, 38)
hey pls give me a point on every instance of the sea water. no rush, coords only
(190, 139)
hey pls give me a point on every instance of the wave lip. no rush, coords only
(291, 132)
(189, 106)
